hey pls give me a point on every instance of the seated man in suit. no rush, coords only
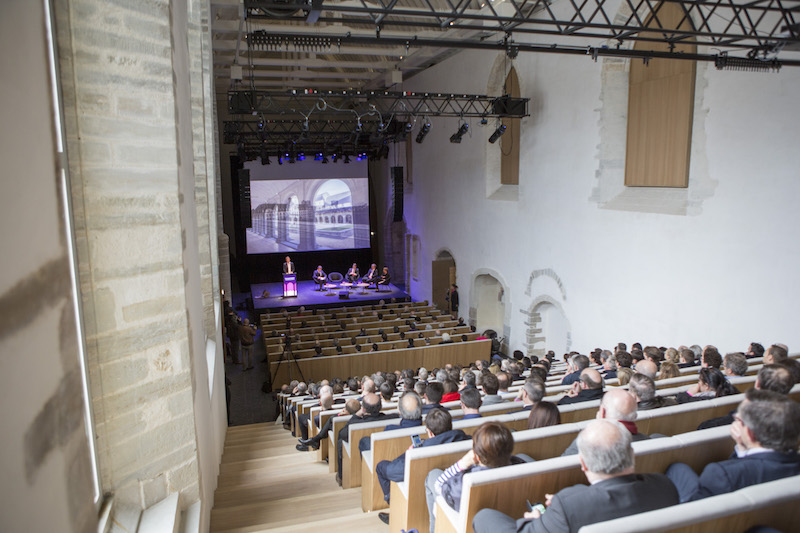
(369, 412)
(643, 389)
(319, 277)
(352, 274)
(410, 407)
(385, 278)
(615, 489)
(576, 364)
(433, 396)
(766, 428)
(531, 392)
(372, 274)
(588, 387)
(439, 426)
(325, 401)
(470, 403)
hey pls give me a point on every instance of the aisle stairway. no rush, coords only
(265, 484)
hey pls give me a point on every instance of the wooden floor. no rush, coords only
(265, 484)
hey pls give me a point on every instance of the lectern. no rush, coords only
(289, 285)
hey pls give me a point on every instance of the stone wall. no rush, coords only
(140, 138)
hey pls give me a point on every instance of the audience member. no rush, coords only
(734, 364)
(492, 446)
(669, 370)
(576, 365)
(410, 407)
(439, 428)
(711, 383)
(432, 396)
(643, 389)
(590, 387)
(766, 430)
(470, 403)
(614, 489)
(620, 406)
(544, 414)
(490, 386)
(531, 393)
(775, 354)
(647, 367)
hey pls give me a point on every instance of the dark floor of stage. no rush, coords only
(307, 295)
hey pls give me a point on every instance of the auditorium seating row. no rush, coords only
(279, 318)
(386, 446)
(393, 342)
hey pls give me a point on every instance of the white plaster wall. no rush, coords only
(725, 275)
(44, 463)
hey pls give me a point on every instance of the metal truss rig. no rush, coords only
(348, 121)
(764, 27)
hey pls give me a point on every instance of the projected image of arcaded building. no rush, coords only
(306, 215)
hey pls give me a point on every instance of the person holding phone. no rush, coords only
(492, 446)
(615, 489)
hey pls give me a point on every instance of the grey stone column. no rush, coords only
(283, 212)
(308, 240)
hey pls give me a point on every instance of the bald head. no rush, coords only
(591, 379)
(618, 404)
(605, 449)
(371, 403)
(647, 367)
(410, 406)
(326, 400)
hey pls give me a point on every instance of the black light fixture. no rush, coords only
(501, 129)
(423, 131)
(456, 137)
(346, 159)
(264, 156)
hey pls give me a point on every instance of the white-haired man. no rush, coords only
(615, 489)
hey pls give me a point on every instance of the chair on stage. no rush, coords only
(335, 277)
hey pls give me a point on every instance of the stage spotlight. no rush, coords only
(501, 129)
(456, 137)
(280, 160)
(335, 157)
(301, 156)
(423, 131)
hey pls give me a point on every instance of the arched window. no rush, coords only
(509, 142)
(327, 220)
(660, 110)
(339, 219)
(349, 219)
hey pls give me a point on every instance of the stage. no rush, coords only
(308, 296)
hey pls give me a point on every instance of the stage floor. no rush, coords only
(307, 295)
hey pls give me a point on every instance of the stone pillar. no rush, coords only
(308, 239)
(361, 226)
(283, 211)
(270, 222)
(138, 105)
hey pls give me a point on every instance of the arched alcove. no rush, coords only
(489, 297)
(443, 274)
(502, 157)
(548, 328)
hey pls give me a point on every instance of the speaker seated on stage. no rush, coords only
(384, 279)
(372, 274)
(353, 274)
(319, 277)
